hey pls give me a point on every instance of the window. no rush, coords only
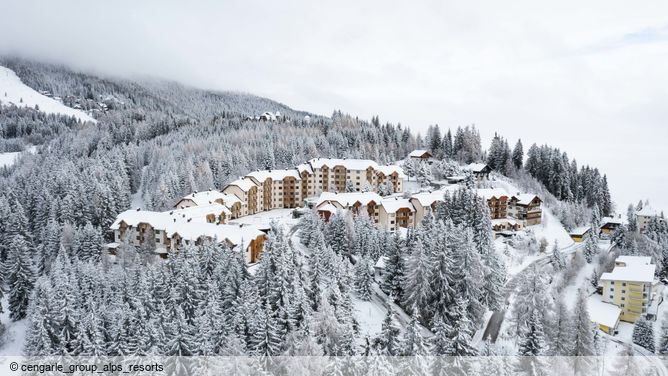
(623, 283)
(611, 297)
(622, 305)
(623, 291)
(623, 298)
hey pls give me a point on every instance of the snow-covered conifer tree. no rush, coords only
(643, 334)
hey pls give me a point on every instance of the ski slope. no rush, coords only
(12, 90)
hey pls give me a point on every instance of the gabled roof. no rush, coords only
(631, 273)
(478, 167)
(198, 213)
(391, 205)
(243, 184)
(263, 175)
(389, 170)
(419, 153)
(350, 164)
(634, 260)
(611, 220)
(209, 197)
(428, 198)
(305, 167)
(488, 193)
(648, 211)
(234, 234)
(580, 231)
(525, 198)
(603, 313)
(348, 199)
(157, 220)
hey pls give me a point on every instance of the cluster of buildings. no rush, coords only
(509, 213)
(338, 184)
(627, 293)
(205, 215)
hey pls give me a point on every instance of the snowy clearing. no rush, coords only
(13, 91)
(8, 159)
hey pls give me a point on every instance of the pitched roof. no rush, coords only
(630, 273)
(580, 231)
(347, 199)
(208, 197)
(350, 164)
(263, 175)
(244, 184)
(634, 260)
(389, 170)
(488, 193)
(477, 167)
(132, 217)
(603, 313)
(304, 167)
(611, 220)
(428, 198)
(234, 234)
(198, 213)
(419, 153)
(648, 211)
(391, 205)
(525, 198)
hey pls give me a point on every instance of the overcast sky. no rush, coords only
(590, 77)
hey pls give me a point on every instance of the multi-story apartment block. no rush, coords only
(248, 195)
(334, 175)
(165, 232)
(645, 215)
(497, 200)
(277, 188)
(356, 202)
(629, 286)
(396, 213)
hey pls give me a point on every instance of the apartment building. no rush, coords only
(395, 213)
(526, 207)
(629, 286)
(357, 202)
(277, 188)
(247, 193)
(497, 200)
(166, 232)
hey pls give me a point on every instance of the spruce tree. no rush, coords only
(388, 342)
(20, 277)
(364, 279)
(518, 155)
(643, 334)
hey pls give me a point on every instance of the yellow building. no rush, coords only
(629, 286)
(578, 234)
(604, 315)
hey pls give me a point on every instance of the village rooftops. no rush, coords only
(603, 313)
(389, 170)
(234, 234)
(243, 184)
(263, 175)
(611, 220)
(631, 273)
(305, 167)
(428, 198)
(348, 199)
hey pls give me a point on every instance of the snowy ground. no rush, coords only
(13, 91)
(15, 331)
(8, 159)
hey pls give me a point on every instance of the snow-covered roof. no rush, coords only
(263, 175)
(391, 205)
(580, 231)
(391, 169)
(418, 153)
(603, 313)
(631, 273)
(133, 217)
(347, 199)
(305, 167)
(208, 197)
(325, 206)
(648, 211)
(477, 167)
(198, 213)
(525, 198)
(234, 234)
(488, 193)
(501, 221)
(634, 260)
(428, 198)
(349, 164)
(611, 220)
(244, 184)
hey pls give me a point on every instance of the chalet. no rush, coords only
(610, 224)
(480, 171)
(578, 234)
(629, 286)
(526, 207)
(497, 200)
(420, 154)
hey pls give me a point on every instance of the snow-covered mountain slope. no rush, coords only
(12, 90)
